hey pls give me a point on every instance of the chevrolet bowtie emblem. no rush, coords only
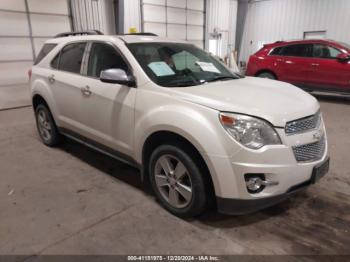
(317, 136)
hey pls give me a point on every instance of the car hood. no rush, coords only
(275, 101)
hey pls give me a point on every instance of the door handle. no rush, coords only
(314, 64)
(51, 79)
(86, 91)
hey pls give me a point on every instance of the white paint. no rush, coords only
(49, 25)
(13, 23)
(54, 7)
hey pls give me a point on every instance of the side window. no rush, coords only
(325, 51)
(301, 50)
(54, 62)
(277, 51)
(71, 57)
(43, 52)
(102, 57)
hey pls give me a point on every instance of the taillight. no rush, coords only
(30, 74)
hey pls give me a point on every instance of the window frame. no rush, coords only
(37, 60)
(86, 56)
(87, 53)
(328, 45)
(59, 57)
(286, 46)
(273, 49)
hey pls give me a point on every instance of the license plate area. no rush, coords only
(320, 171)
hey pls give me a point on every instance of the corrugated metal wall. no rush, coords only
(132, 15)
(272, 20)
(222, 16)
(93, 15)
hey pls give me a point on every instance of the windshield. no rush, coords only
(174, 64)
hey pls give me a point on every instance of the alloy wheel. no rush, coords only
(44, 125)
(173, 181)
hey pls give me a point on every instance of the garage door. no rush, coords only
(24, 26)
(179, 19)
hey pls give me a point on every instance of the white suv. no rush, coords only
(198, 132)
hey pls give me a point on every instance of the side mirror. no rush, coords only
(117, 76)
(343, 57)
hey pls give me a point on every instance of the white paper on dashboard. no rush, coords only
(161, 68)
(208, 67)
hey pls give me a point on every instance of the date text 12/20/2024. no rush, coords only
(173, 258)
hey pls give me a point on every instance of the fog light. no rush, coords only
(255, 184)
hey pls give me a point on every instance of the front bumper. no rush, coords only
(246, 206)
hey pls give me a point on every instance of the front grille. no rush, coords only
(303, 124)
(310, 152)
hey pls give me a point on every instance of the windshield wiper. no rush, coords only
(218, 78)
(183, 84)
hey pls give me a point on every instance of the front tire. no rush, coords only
(177, 181)
(46, 126)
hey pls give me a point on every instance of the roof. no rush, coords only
(126, 38)
(301, 41)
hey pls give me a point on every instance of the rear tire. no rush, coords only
(267, 75)
(46, 126)
(177, 181)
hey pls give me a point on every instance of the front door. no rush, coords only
(328, 73)
(293, 65)
(108, 109)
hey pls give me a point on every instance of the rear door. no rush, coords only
(107, 109)
(292, 63)
(66, 83)
(327, 72)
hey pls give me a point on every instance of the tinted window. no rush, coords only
(54, 62)
(43, 52)
(325, 51)
(71, 57)
(277, 51)
(102, 57)
(303, 50)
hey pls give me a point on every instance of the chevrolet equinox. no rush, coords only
(200, 134)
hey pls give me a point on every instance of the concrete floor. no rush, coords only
(72, 200)
(14, 96)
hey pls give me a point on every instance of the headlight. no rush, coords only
(251, 132)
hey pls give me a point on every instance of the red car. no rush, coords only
(314, 65)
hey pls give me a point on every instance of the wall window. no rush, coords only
(102, 57)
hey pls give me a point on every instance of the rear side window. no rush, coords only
(300, 50)
(102, 57)
(43, 52)
(71, 57)
(277, 51)
(54, 62)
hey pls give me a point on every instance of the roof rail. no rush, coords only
(90, 32)
(143, 33)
